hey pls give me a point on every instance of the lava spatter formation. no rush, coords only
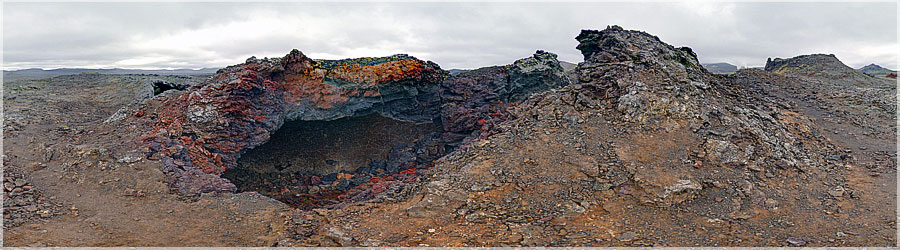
(201, 134)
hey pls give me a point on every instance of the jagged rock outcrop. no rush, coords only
(629, 68)
(200, 133)
(663, 90)
(474, 100)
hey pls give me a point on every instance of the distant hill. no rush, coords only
(820, 66)
(877, 71)
(41, 73)
(567, 66)
(720, 68)
(569, 69)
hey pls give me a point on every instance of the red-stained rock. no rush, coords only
(210, 125)
(201, 132)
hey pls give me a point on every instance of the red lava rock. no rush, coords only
(240, 106)
(134, 193)
(201, 132)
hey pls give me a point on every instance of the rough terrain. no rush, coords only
(639, 145)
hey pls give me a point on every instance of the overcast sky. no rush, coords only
(454, 35)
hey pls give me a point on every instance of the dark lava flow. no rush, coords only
(310, 164)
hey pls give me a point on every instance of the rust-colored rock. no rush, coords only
(201, 132)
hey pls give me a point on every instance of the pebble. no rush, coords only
(577, 235)
(797, 242)
(515, 238)
(627, 236)
(754, 167)
(836, 192)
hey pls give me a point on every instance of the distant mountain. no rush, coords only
(456, 71)
(41, 73)
(877, 71)
(720, 68)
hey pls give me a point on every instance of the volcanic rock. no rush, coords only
(472, 100)
(201, 132)
(841, 100)
(821, 66)
(210, 125)
(643, 113)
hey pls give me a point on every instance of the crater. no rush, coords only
(311, 164)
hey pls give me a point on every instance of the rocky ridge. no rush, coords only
(820, 66)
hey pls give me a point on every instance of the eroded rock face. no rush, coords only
(201, 132)
(475, 100)
(640, 74)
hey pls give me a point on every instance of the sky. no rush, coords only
(455, 35)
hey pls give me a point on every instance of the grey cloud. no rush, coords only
(455, 35)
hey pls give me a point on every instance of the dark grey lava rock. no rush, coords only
(469, 98)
